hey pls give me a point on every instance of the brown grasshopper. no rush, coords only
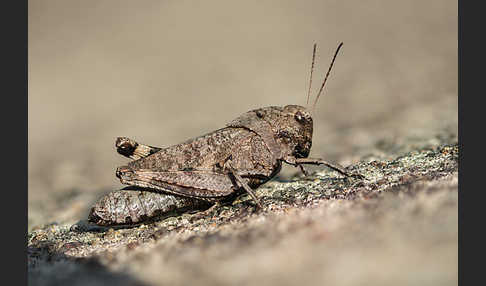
(222, 164)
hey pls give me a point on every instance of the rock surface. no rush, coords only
(398, 226)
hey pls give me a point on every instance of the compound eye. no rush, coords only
(300, 117)
(259, 113)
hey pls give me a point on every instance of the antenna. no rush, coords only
(327, 74)
(311, 72)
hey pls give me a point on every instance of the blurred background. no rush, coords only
(161, 72)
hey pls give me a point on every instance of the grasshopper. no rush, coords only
(246, 153)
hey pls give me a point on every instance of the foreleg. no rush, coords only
(317, 161)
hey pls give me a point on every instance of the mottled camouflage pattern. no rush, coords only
(131, 206)
(254, 144)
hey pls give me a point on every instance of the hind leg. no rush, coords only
(132, 149)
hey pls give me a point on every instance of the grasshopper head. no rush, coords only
(292, 128)
(295, 130)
